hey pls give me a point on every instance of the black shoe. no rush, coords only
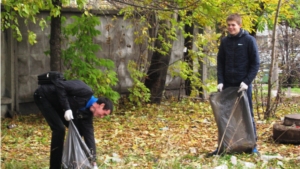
(212, 153)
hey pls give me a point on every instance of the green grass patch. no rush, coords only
(295, 90)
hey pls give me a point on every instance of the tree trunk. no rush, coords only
(55, 40)
(153, 30)
(273, 60)
(157, 73)
(187, 58)
(287, 60)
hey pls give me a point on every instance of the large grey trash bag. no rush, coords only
(232, 115)
(76, 154)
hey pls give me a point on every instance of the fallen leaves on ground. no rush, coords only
(170, 135)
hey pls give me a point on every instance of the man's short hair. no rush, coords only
(235, 17)
(108, 103)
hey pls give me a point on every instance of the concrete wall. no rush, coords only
(3, 73)
(31, 60)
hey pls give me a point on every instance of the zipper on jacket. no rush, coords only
(233, 60)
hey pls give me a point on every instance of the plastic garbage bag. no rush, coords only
(76, 154)
(232, 115)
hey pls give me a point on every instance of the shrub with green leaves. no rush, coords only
(139, 93)
(81, 61)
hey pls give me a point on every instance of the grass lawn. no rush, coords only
(295, 90)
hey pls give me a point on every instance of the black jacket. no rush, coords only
(238, 59)
(73, 94)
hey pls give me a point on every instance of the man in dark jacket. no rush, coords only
(238, 60)
(62, 101)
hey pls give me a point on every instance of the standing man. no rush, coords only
(62, 101)
(238, 61)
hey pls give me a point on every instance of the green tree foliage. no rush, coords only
(80, 59)
(13, 9)
(293, 17)
(257, 15)
(139, 93)
(161, 20)
(28, 10)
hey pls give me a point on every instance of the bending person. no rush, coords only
(65, 100)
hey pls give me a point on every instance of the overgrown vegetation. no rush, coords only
(158, 22)
(139, 93)
(81, 61)
(171, 135)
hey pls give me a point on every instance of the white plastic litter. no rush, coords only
(193, 150)
(270, 157)
(115, 158)
(248, 164)
(233, 160)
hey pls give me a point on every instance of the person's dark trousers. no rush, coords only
(54, 120)
(249, 94)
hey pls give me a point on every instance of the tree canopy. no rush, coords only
(161, 23)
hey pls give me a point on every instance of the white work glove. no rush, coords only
(220, 87)
(243, 87)
(68, 115)
(95, 167)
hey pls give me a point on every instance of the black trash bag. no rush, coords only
(76, 154)
(233, 117)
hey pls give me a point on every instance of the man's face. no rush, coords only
(233, 27)
(98, 111)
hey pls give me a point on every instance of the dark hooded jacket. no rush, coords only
(237, 60)
(73, 94)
